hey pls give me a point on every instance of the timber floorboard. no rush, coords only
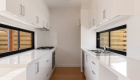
(67, 73)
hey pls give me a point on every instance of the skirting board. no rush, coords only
(67, 65)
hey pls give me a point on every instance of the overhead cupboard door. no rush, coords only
(14, 6)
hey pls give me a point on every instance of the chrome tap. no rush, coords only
(105, 47)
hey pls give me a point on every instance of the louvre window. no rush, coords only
(115, 39)
(14, 40)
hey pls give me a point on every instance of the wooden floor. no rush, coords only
(67, 73)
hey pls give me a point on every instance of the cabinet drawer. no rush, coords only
(94, 75)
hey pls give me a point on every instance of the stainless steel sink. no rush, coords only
(96, 51)
(99, 51)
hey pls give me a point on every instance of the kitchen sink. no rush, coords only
(99, 51)
(96, 51)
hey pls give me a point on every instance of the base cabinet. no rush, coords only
(94, 70)
(40, 69)
(91, 67)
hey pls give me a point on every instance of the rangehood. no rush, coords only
(43, 29)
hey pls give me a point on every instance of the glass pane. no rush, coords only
(105, 36)
(25, 40)
(118, 39)
(3, 40)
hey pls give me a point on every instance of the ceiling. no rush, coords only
(65, 3)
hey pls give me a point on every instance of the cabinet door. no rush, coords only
(14, 6)
(93, 13)
(26, 9)
(99, 11)
(32, 71)
(87, 67)
(111, 9)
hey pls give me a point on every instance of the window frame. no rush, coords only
(19, 50)
(109, 30)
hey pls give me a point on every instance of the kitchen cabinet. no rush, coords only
(21, 8)
(31, 12)
(39, 13)
(90, 67)
(101, 11)
(13, 6)
(92, 14)
(93, 68)
(41, 69)
(36, 13)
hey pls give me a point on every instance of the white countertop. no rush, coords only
(122, 66)
(13, 65)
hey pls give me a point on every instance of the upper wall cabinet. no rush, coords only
(92, 14)
(108, 9)
(31, 12)
(39, 13)
(20, 8)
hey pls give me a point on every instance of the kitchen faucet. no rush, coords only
(105, 47)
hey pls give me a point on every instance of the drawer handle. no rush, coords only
(47, 75)
(47, 61)
(93, 63)
(93, 72)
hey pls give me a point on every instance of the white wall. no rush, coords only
(65, 26)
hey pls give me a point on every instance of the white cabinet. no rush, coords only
(31, 12)
(20, 8)
(36, 14)
(101, 11)
(39, 16)
(91, 69)
(41, 69)
(26, 10)
(92, 14)
(13, 6)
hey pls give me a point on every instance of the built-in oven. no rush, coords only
(53, 60)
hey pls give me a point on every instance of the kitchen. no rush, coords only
(69, 39)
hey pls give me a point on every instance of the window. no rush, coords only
(116, 39)
(14, 40)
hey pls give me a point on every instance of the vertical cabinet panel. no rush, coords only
(14, 7)
(26, 10)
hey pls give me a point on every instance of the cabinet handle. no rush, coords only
(47, 75)
(47, 61)
(20, 9)
(104, 14)
(93, 63)
(93, 22)
(47, 24)
(93, 72)
(36, 19)
(86, 58)
(38, 67)
(23, 12)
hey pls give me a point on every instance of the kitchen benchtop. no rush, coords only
(13, 65)
(124, 67)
